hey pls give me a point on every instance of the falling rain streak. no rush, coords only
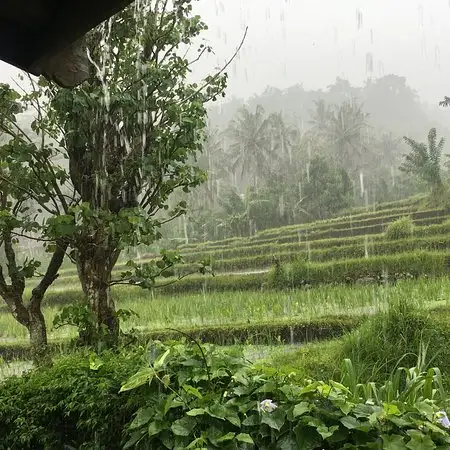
(315, 189)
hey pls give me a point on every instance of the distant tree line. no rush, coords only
(266, 169)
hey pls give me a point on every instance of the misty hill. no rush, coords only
(391, 103)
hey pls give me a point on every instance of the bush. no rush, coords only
(400, 229)
(75, 403)
(403, 335)
(179, 396)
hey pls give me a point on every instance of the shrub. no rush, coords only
(199, 396)
(74, 403)
(400, 229)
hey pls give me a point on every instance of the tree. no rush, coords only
(345, 127)
(327, 189)
(250, 142)
(320, 117)
(28, 175)
(128, 133)
(424, 161)
(393, 105)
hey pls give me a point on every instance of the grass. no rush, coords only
(158, 312)
(243, 307)
(404, 335)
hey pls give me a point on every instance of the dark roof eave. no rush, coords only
(24, 47)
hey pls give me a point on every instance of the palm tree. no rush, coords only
(320, 117)
(345, 127)
(424, 160)
(250, 145)
(213, 159)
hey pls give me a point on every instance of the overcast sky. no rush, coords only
(314, 41)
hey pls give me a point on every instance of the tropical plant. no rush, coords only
(199, 396)
(320, 117)
(326, 189)
(345, 128)
(402, 228)
(250, 141)
(424, 161)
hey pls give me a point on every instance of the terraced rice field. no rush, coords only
(333, 268)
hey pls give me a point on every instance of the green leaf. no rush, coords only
(251, 421)
(327, 432)
(197, 443)
(362, 410)
(300, 409)
(391, 409)
(307, 437)
(160, 361)
(138, 379)
(288, 442)
(419, 441)
(192, 390)
(244, 437)
(196, 412)
(156, 427)
(393, 442)
(274, 419)
(226, 437)
(350, 422)
(225, 413)
(184, 426)
(95, 362)
(143, 416)
(425, 409)
(134, 439)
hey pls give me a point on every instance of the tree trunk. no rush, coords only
(37, 330)
(94, 269)
(32, 318)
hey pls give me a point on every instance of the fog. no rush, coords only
(312, 42)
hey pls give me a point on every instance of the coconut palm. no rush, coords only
(346, 126)
(320, 117)
(250, 143)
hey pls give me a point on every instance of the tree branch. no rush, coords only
(17, 279)
(218, 73)
(29, 193)
(51, 274)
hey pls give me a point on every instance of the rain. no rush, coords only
(241, 217)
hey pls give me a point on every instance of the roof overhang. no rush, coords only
(33, 31)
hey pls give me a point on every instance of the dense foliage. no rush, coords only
(402, 228)
(307, 159)
(197, 396)
(74, 403)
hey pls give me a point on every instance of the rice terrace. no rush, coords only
(190, 259)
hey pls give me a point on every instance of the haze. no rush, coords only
(312, 42)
